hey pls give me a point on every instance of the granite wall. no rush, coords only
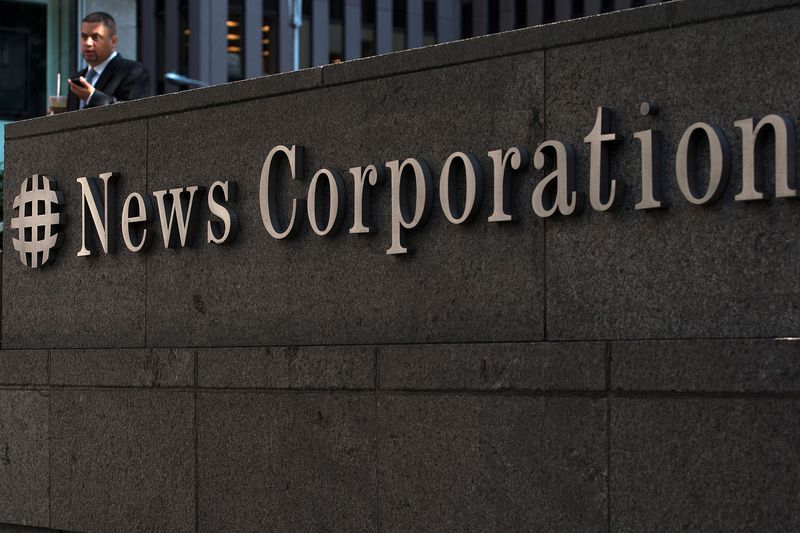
(629, 370)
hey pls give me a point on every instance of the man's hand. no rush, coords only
(82, 90)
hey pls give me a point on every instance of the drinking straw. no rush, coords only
(58, 84)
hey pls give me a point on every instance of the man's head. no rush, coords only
(98, 37)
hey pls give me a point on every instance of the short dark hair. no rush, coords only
(105, 18)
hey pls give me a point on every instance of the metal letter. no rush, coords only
(362, 221)
(519, 159)
(226, 229)
(719, 154)
(423, 204)
(473, 177)
(600, 184)
(335, 207)
(267, 198)
(182, 204)
(651, 169)
(785, 141)
(565, 199)
(142, 214)
(102, 216)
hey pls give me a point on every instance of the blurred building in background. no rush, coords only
(216, 41)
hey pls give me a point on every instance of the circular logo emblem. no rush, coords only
(38, 221)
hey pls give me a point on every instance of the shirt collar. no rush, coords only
(102, 66)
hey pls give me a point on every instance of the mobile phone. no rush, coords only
(76, 80)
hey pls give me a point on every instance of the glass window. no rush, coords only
(305, 36)
(549, 11)
(399, 25)
(269, 37)
(494, 16)
(367, 28)
(183, 15)
(235, 37)
(37, 42)
(158, 75)
(429, 22)
(577, 8)
(520, 14)
(336, 53)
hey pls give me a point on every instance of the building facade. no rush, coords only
(215, 42)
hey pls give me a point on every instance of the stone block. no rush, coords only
(288, 367)
(491, 463)
(429, 57)
(735, 365)
(105, 295)
(23, 457)
(135, 367)
(122, 460)
(174, 367)
(286, 462)
(13, 528)
(478, 281)
(23, 367)
(704, 464)
(507, 366)
(687, 271)
(232, 367)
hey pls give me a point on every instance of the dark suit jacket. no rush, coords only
(122, 79)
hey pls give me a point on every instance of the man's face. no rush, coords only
(96, 42)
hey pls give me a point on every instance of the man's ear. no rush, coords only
(114, 41)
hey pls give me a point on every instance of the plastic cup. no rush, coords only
(58, 104)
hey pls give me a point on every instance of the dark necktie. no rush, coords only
(91, 74)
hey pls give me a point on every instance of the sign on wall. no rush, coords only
(176, 212)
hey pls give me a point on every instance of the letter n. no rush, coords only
(785, 139)
(101, 214)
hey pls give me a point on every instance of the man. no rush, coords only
(109, 78)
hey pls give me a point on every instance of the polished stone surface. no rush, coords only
(13, 528)
(725, 270)
(490, 463)
(474, 282)
(704, 464)
(286, 462)
(507, 366)
(105, 295)
(24, 457)
(732, 365)
(122, 460)
(135, 367)
(288, 367)
(23, 367)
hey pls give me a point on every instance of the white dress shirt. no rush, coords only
(99, 69)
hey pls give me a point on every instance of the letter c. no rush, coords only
(267, 199)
